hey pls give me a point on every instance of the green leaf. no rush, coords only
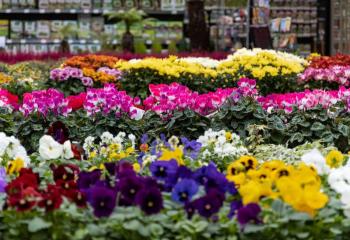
(317, 126)
(37, 224)
(132, 225)
(344, 130)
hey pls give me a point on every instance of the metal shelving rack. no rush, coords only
(36, 14)
(340, 22)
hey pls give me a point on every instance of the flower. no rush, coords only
(102, 200)
(51, 198)
(210, 203)
(334, 159)
(15, 166)
(49, 148)
(2, 179)
(234, 207)
(59, 132)
(191, 148)
(176, 154)
(67, 150)
(163, 170)
(150, 200)
(65, 172)
(249, 213)
(184, 190)
(88, 179)
(128, 188)
(315, 158)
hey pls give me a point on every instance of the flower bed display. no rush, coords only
(120, 186)
(175, 148)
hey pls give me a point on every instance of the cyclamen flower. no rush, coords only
(45, 101)
(8, 100)
(108, 99)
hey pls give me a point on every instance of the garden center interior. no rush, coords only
(300, 26)
(175, 119)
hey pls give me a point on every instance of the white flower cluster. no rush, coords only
(339, 181)
(11, 149)
(316, 159)
(222, 144)
(204, 61)
(278, 54)
(51, 149)
(107, 139)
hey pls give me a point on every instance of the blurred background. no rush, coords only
(173, 26)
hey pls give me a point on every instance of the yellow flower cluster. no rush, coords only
(113, 152)
(335, 159)
(171, 66)
(298, 186)
(98, 76)
(258, 63)
(5, 78)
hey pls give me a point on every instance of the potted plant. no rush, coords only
(129, 18)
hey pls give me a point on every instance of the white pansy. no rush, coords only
(316, 159)
(132, 138)
(49, 148)
(11, 148)
(67, 150)
(106, 138)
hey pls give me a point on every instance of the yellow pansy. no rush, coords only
(15, 166)
(176, 154)
(334, 159)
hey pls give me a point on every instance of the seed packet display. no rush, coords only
(30, 29)
(162, 29)
(55, 27)
(85, 4)
(43, 4)
(117, 4)
(16, 29)
(4, 26)
(52, 4)
(129, 4)
(107, 4)
(43, 29)
(97, 4)
(97, 24)
(84, 26)
(6, 4)
(166, 4)
(149, 30)
(146, 4)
